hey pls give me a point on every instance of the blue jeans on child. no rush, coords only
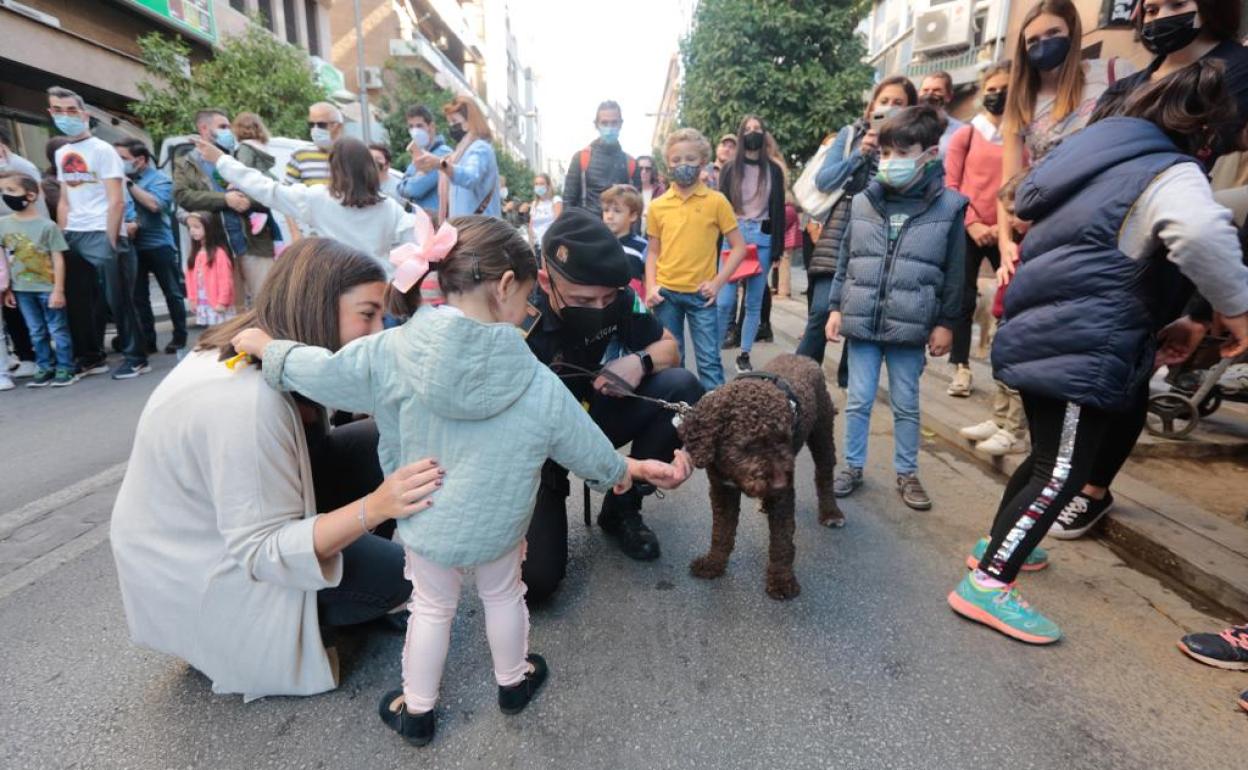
(905, 366)
(703, 329)
(754, 287)
(48, 327)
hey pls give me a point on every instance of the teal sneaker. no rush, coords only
(1004, 610)
(1038, 560)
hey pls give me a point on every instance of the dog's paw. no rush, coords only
(783, 587)
(832, 519)
(707, 568)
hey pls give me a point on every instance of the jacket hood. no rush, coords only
(1083, 156)
(464, 369)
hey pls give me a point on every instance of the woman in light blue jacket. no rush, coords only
(468, 182)
(459, 384)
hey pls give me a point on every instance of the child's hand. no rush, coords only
(710, 291)
(10, 300)
(626, 483)
(404, 492)
(1009, 263)
(654, 297)
(56, 300)
(251, 341)
(660, 474)
(832, 329)
(940, 341)
(219, 308)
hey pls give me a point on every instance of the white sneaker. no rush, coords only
(981, 432)
(1001, 443)
(962, 384)
(25, 369)
(1234, 379)
(5, 382)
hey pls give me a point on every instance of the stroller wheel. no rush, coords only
(1211, 403)
(1171, 415)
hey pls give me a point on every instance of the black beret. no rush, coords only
(580, 247)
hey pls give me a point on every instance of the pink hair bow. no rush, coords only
(412, 261)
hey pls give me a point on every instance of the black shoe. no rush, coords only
(621, 520)
(1080, 515)
(116, 344)
(513, 698)
(732, 339)
(416, 729)
(173, 347)
(765, 334)
(743, 363)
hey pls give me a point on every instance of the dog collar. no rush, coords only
(795, 406)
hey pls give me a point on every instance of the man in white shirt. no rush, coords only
(91, 213)
(936, 91)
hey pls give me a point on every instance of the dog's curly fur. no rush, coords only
(743, 435)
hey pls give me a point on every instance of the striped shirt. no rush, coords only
(308, 165)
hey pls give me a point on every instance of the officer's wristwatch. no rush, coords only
(647, 363)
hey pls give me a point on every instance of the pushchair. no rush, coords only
(1194, 392)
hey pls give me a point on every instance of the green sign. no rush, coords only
(329, 76)
(190, 16)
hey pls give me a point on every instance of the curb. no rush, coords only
(1199, 553)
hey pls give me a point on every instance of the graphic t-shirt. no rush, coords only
(28, 246)
(81, 168)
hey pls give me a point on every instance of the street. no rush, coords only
(650, 667)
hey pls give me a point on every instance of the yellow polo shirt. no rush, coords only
(688, 230)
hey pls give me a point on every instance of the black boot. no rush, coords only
(764, 333)
(733, 338)
(416, 729)
(621, 519)
(512, 699)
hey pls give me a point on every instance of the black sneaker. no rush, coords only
(1228, 649)
(912, 492)
(64, 378)
(732, 339)
(42, 379)
(621, 520)
(1080, 515)
(97, 366)
(743, 363)
(765, 334)
(129, 371)
(416, 729)
(173, 347)
(513, 698)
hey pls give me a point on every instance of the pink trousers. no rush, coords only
(435, 596)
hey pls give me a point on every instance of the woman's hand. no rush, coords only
(870, 142)
(252, 342)
(208, 150)
(404, 492)
(832, 329)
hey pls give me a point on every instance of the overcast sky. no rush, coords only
(585, 51)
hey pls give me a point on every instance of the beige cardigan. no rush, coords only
(212, 533)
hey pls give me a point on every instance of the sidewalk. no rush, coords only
(1163, 533)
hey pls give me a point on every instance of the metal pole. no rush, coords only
(366, 117)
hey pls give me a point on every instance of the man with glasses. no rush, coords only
(91, 212)
(310, 165)
(602, 164)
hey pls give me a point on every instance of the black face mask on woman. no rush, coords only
(994, 102)
(1173, 33)
(753, 141)
(1048, 54)
(457, 132)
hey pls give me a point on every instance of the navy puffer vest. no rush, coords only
(1080, 314)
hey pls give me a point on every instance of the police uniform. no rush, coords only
(580, 248)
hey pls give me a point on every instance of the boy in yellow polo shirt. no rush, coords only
(683, 276)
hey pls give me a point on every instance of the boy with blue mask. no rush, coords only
(600, 165)
(421, 187)
(898, 290)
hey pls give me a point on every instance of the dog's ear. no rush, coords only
(697, 431)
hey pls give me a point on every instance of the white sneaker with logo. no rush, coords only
(980, 432)
(1000, 444)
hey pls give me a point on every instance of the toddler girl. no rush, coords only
(209, 273)
(458, 383)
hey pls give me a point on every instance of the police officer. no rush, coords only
(589, 322)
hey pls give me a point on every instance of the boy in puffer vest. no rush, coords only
(897, 291)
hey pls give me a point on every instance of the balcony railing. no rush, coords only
(969, 58)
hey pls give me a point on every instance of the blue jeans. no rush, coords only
(754, 288)
(703, 328)
(48, 327)
(818, 294)
(905, 366)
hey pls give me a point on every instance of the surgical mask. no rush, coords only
(16, 202)
(590, 325)
(686, 174)
(609, 133)
(503, 192)
(458, 132)
(1048, 54)
(754, 141)
(322, 138)
(1173, 33)
(994, 103)
(901, 173)
(69, 125)
(127, 166)
(224, 138)
(539, 190)
(420, 137)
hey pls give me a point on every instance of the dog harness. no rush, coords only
(794, 405)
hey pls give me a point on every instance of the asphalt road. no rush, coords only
(650, 667)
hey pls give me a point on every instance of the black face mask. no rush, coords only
(994, 103)
(754, 140)
(16, 202)
(1050, 53)
(457, 132)
(591, 325)
(1173, 33)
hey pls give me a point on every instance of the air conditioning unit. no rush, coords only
(372, 78)
(948, 25)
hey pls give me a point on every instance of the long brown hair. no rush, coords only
(1192, 105)
(214, 236)
(353, 177)
(485, 248)
(912, 95)
(1020, 101)
(770, 151)
(299, 298)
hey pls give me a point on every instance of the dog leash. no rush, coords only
(681, 408)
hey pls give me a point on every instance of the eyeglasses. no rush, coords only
(645, 168)
(321, 123)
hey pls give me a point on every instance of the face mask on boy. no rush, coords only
(420, 137)
(16, 202)
(686, 174)
(901, 173)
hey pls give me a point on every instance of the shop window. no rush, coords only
(266, 13)
(314, 35)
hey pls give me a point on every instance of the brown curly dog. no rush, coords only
(745, 435)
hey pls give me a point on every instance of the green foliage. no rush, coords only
(519, 174)
(797, 64)
(405, 87)
(252, 72)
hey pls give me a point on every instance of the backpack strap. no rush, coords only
(584, 164)
(632, 168)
